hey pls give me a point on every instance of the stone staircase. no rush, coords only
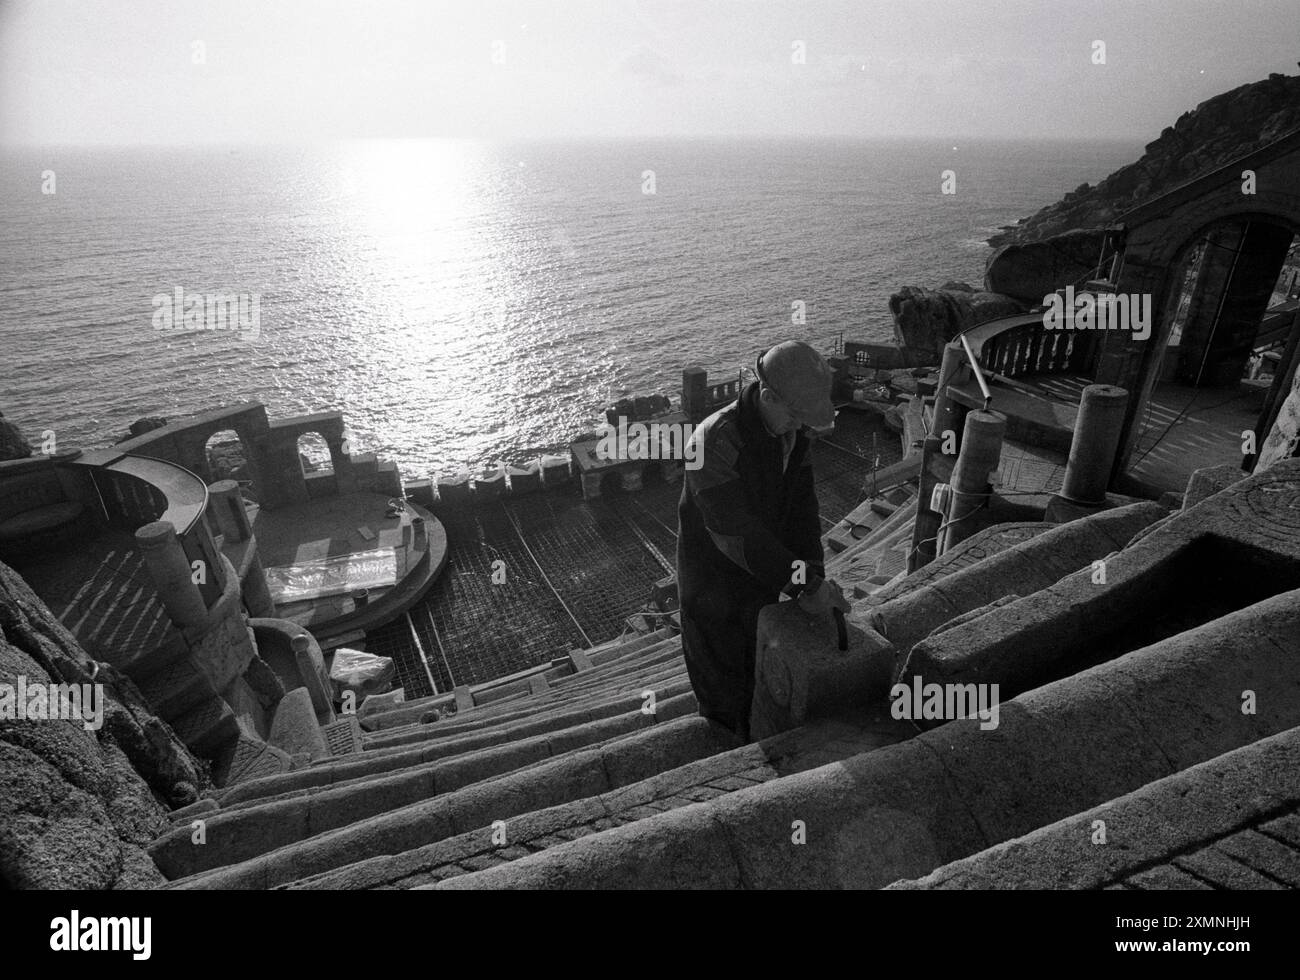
(605, 776)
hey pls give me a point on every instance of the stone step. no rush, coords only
(1228, 798)
(682, 786)
(603, 653)
(534, 708)
(1026, 567)
(207, 727)
(597, 684)
(413, 711)
(654, 653)
(298, 849)
(174, 690)
(492, 757)
(530, 725)
(906, 809)
(667, 659)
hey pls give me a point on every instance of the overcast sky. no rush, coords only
(125, 71)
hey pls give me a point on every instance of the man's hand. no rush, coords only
(822, 598)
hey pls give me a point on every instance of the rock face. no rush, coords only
(928, 318)
(78, 806)
(1216, 132)
(142, 425)
(12, 443)
(1035, 269)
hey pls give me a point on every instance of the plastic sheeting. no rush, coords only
(366, 673)
(332, 576)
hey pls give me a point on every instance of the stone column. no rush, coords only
(1097, 430)
(946, 413)
(256, 592)
(170, 571)
(981, 448)
(228, 506)
(311, 671)
(344, 479)
(591, 484)
(695, 385)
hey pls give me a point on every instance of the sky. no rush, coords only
(198, 71)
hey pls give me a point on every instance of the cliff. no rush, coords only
(1214, 133)
(78, 804)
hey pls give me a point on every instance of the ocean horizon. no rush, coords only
(463, 301)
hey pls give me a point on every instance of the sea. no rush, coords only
(464, 302)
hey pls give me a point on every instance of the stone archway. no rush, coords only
(228, 457)
(315, 455)
(1156, 236)
(1221, 281)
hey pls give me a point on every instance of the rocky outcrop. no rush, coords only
(926, 319)
(78, 804)
(1214, 133)
(12, 443)
(1034, 270)
(142, 425)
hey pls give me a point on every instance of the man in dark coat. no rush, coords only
(748, 526)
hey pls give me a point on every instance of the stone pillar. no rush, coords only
(946, 412)
(695, 386)
(170, 571)
(981, 448)
(1097, 430)
(228, 506)
(935, 468)
(591, 484)
(311, 671)
(256, 592)
(344, 479)
(630, 477)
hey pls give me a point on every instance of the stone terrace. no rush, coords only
(603, 776)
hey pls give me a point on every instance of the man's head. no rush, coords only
(795, 388)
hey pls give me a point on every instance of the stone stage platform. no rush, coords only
(331, 527)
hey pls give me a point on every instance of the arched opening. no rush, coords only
(227, 458)
(1230, 347)
(314, 455)
(1229, 279)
